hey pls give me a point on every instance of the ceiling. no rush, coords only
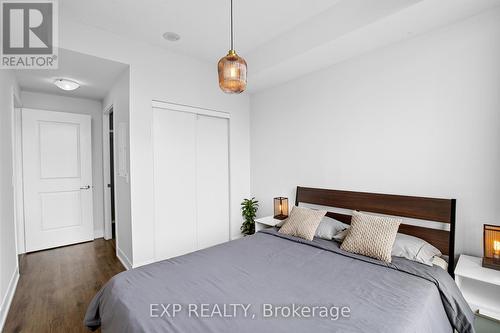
(202, 24)
(95, 75)
(280, 39)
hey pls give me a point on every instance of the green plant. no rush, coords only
(249, 209)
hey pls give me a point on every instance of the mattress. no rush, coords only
(269, 282)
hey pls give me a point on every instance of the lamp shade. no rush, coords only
(232, 73)
(280, 208)
(491, 243)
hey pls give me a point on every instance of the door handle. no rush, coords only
(85, 187)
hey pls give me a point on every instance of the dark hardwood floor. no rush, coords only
(56, 286)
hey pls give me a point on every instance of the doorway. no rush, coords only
(105, 83)
(109, 161)
(111, 184)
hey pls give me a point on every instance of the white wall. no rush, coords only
(119, 98)
(157, 74)
(83, 106)
(421, 117)
(9, 272)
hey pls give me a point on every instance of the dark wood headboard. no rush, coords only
(428, 209)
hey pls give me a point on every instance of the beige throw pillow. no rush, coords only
(371, 236)
(302, 222)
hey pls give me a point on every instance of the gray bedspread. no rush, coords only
(246, 285)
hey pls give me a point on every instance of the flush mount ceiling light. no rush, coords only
(232, 68)
(67, 85)
(171, 36)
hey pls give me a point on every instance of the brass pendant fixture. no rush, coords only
(232, 68)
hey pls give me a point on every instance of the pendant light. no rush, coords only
(232, 68)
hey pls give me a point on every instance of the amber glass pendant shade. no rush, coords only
(232, 73)
(232, 68)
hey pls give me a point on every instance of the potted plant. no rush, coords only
(249, 211)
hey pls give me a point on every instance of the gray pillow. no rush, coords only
(329, 227)
(414, 248)
(339, 237)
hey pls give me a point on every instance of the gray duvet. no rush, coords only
(269, 282)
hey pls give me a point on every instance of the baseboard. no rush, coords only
(147, 262)
(98, 234)
(238, 236)
(123, 259)
(7, 300)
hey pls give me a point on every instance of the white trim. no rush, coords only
(229, 180)
(190, 109)
(151, 125)
(17, 173)
(18, 181)
(11, 288)
(7, 300)
(17, 98)
(123, 258)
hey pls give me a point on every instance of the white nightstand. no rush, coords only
(265, 222)
(481, 289)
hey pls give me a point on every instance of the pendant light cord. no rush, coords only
(232, 32)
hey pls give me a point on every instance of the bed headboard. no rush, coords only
(429, 209)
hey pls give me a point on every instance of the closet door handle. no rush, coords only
(85, 187)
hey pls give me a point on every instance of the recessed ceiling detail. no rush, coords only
(302, 35)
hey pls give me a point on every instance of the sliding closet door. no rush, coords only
(212, 180)
(174, 145)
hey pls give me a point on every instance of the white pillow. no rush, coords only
(409, 247)
(329, 227)
(438, 261)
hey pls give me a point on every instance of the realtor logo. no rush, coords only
(29, 34)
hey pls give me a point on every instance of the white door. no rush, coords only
(57, 170)
(212, 180)
(174, 144)
(191, 181)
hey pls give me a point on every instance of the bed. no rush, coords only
(270, 282)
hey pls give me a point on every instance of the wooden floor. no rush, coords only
(56, 286)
